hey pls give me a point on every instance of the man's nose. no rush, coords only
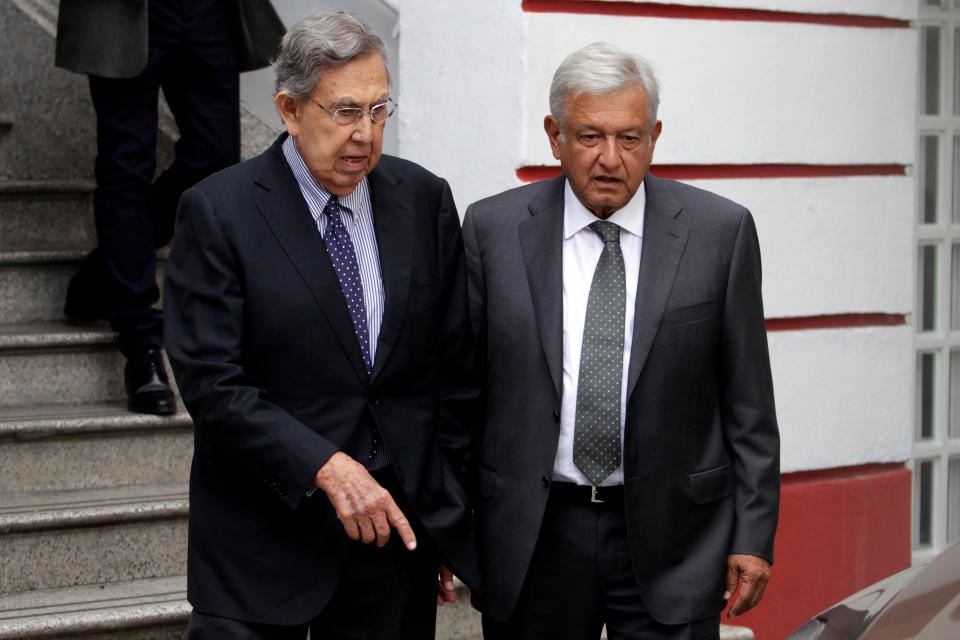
(609, 152)
(363, 129)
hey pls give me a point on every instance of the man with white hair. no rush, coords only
(318, 328)
(628, 467)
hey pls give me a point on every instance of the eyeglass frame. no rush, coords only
(388, 103)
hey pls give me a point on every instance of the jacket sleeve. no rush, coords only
(206, 333)
(747, 404)
(459, 395)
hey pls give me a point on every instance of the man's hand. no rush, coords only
(366, 510)
(446, 591)
(752, 574)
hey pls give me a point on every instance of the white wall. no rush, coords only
(749, 92)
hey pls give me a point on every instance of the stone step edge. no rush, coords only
(98, 608)
(76, 509)
(6, 120)
(24, 427)
(41, 257)
(56, 256)
(52, 336)
(45, 189)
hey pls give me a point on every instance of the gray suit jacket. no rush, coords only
(701, 445)
(109, 38)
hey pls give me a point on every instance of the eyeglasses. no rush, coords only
(350, 115)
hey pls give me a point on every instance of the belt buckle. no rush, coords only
(593, 496)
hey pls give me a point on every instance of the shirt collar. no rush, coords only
(307, 182)
(577, 217)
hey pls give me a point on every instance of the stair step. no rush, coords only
(154, 608)
(33, 284)
(6, 120)
(58, 447)
(52, 539)
(46, 214)
(73, 363)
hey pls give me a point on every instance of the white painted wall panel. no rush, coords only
(831, 245)
(898, 9)
(462, 83)
(844, 397)
(750, 92)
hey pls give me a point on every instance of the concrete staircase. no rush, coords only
(93, 499)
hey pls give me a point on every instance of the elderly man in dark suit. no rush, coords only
(318, 327)
(131, 49)
(628, 468)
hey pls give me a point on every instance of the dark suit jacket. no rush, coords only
(110, 38)
(701, 445)
(268, 365)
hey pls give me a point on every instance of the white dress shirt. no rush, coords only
(581, 251)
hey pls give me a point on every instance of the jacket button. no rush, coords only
(545, 481)
(375, 401)
(556, 416)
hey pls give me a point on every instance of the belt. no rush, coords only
(583, 494)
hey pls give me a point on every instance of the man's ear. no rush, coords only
(655, 132)
(290, 110)
(552, 127)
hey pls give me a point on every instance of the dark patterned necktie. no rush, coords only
(344, 259)
(596, 435)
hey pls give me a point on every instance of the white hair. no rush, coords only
(602, 68)
(318, 43)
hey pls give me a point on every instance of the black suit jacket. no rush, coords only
(268, 365)
(701, 447)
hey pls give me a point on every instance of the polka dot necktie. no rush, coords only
(596, 435)
(344, 259)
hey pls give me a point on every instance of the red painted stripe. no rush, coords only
(741, 171)
(677, 11)
(837, 321)
(841, 473)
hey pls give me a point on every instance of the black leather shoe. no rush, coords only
(148, 389)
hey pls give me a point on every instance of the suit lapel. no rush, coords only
(664, 239)
(282, 206)
(392, 221)
(541, 242)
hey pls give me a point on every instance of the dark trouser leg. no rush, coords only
(580, 578)
(561, 595)
(201, 84)
(625, 615)
(126, 141)
(207, 627)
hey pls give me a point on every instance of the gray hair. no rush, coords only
(602, 68)
(318, 43)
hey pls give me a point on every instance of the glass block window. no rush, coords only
(936, 433)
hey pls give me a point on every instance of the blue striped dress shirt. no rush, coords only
(360, 227)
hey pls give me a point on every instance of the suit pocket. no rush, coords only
(712, 484)
(687, 314)
(487, 479)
